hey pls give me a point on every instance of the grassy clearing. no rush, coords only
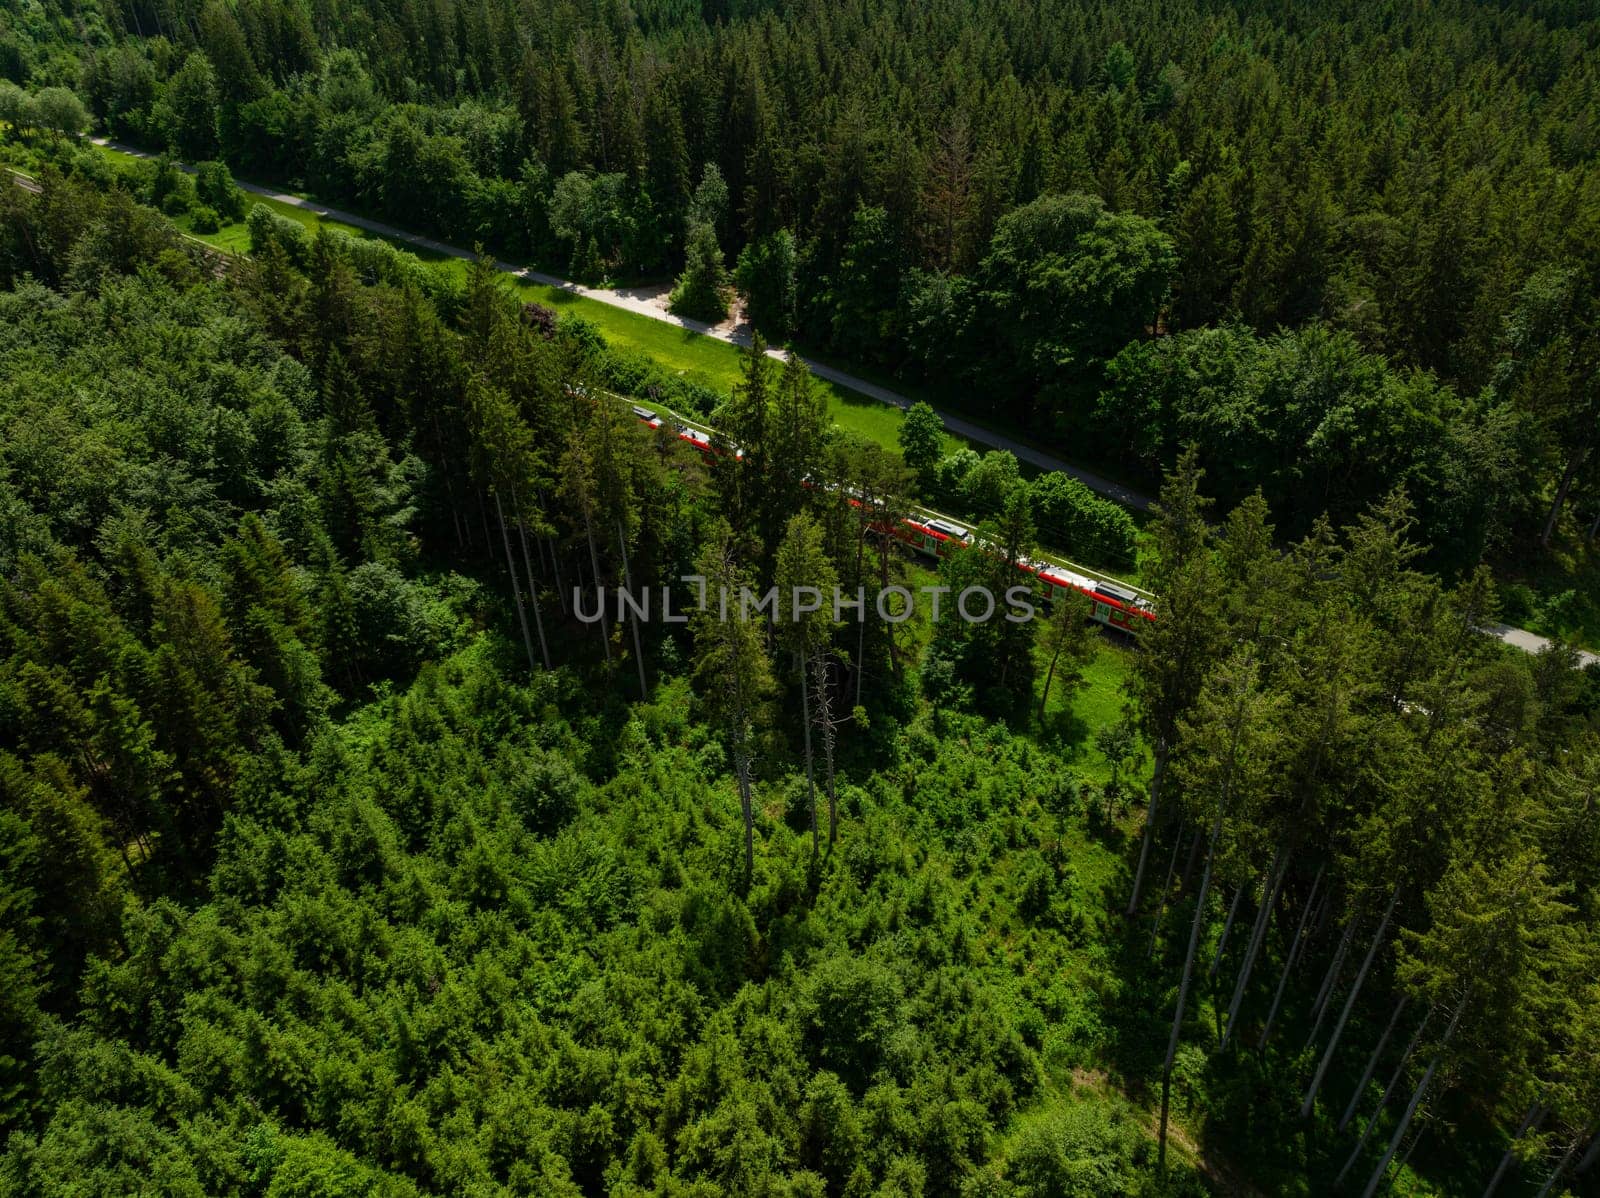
(1073, 717)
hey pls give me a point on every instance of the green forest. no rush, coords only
(1337, 246)
(348, 850)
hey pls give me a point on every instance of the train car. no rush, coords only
(1110, 604)
(693, 437)
(934, 537)
(701, 440)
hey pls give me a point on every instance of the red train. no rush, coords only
(693, 436)
(1110, 604)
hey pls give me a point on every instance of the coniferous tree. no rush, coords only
(1185, 638)
(806, 582)
(1231, 750)
(732, 667)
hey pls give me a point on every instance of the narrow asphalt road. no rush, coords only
(634, 301)
(1532, 642)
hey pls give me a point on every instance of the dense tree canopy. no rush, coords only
(360, 834)
(918, 189)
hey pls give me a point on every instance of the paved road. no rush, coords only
(1532, 642)
(641, 302)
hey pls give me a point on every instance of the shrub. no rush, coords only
(204, 219)
(168, 188)
(850, 1008)
(1073, 518)
(1086, 1149)
(986, 485)
(950, 475)
(60, 111)
(213, 185)
(540, 319)
(545, 792)
(396, 625)
(1517, 603)
(633, 372)
(266, 227)
(921, 433)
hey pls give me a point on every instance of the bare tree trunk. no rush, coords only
(1372, 1062)
(805, 720)
(633, 619)
(746, 807)
(1166, 891)
(825, 722)
(1383, 1099)
(1319, 920)
(544, 564)
(1258, 936)
(1561, 1166)
(1188, 866)
(533, 590)
(1593, 1155)
(1349, 1006)
(516, 590)
(888, 626)
(533, 596)
(1183, 986)
(455, 514)
(1295, 947)
(1227, 926)
(861, 662)
(1594, 529)
(1417, 1096)
(1149, 831)
(741, 768)
(1222, 944)
(861, 623)
(449, 485)
(594, 564)
(1055, 656)
(1406, 1159)
(1536, 1113)
(1574, 464)
(1330, 982)
(555, 569)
